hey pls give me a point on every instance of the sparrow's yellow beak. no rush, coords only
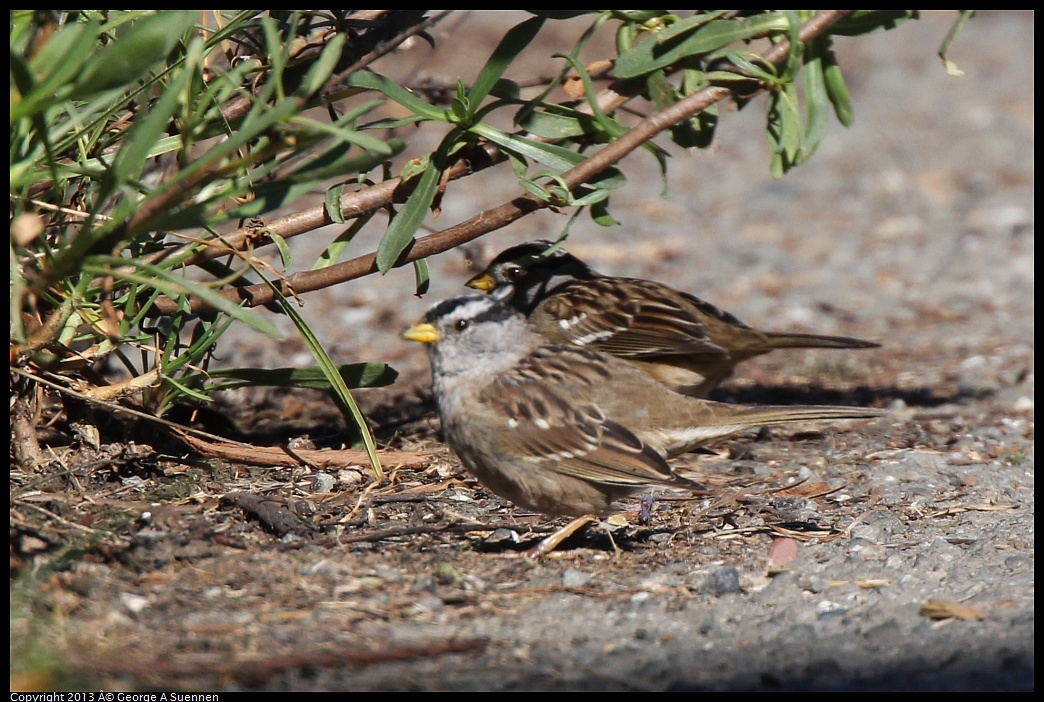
(422, 332)
(483, 282)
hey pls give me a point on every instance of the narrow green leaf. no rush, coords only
(784, 129)
(225, 273)
(683, 26)
(685, 39)
(563, 236)
(422, 275)
(352, 115)
(284, 249)
(21, 85)
(332, 253)
(700, 127)
(557, 194)
(461, 110)
(95, 167)
(557, 158)
(354, 375)
(611, 126)
(339, 389)
(552, 156)
(321, 70)
(774, 132)
(345, 135)
(600, 214)
(751, 64)
(332, 203)
(519, 165)
(640, 55)
(415, 167)
(792, 129)
(817, 102)
(174, 286)
(593, 196)
(277, 53)
(557, 126)
(182, 390)
(837, 90)
(507, 90)
(535, 189)
(516, 39)
(394, 91)
(65, 54)
(390, 123)
(408, 220)
(204, 336)
(22, 27)
(134, 52)
(660, 90)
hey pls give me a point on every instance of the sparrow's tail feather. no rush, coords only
(782, 414)
(724, 420)
(786, 340)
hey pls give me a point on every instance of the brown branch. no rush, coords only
(356, 203)
(508, 212)
(24, 441)
(286, 457)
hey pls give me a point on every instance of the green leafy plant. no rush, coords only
(137, 137)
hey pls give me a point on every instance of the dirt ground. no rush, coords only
(895, 553)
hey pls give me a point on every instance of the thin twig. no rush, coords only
(232, 450)
(283, 456)
(456, 528)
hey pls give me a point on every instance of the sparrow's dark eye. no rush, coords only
(460, 324)
(513, 273)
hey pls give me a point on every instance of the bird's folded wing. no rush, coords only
(634, 320)
(548, 417)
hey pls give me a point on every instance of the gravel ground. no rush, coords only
(888, 554)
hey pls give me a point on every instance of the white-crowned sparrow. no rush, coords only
(561, 429)
(684, 342)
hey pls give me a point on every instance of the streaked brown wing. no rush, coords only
(625, 317)
(549, 417)
(714, 311)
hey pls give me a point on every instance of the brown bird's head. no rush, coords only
(535, 269)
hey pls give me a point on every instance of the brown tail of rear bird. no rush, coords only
(788, 340)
